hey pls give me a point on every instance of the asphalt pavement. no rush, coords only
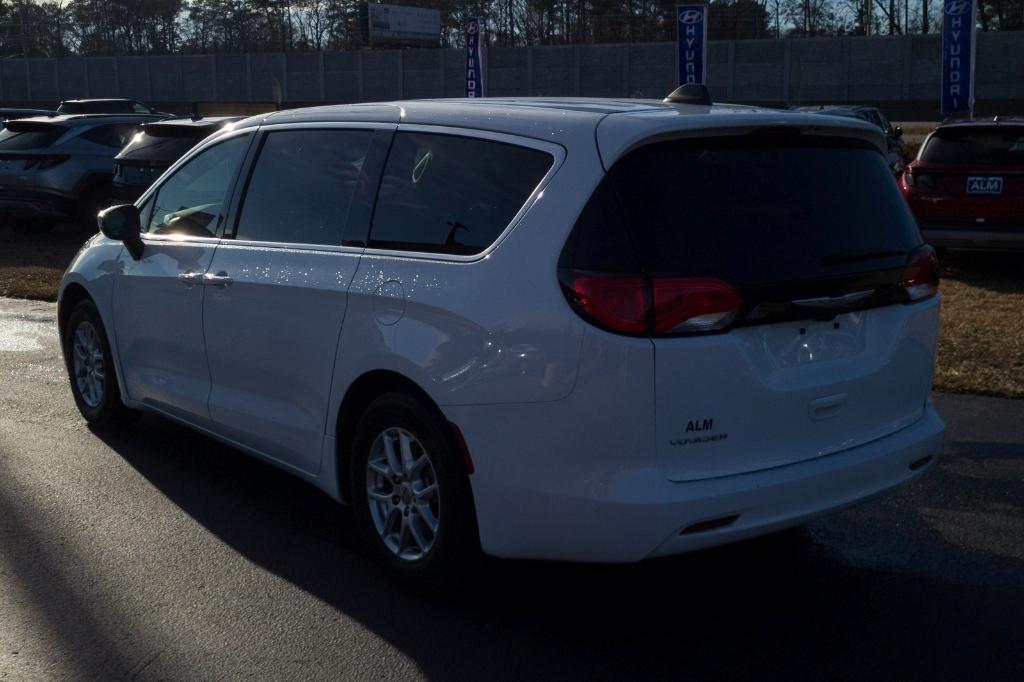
(157, 553)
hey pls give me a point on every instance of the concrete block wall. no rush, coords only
(886, 70)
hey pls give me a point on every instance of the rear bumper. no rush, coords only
(637, 513)
(973, 236)
(38, 205)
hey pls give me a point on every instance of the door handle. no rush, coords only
(221, 279)
(190, 278)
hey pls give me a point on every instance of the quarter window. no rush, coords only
(192, 200)
(450, 194)
(302, 186)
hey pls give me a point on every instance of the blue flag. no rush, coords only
(474, 61)
(958, 40)
(691, 43)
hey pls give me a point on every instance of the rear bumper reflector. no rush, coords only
(919, 463)
(710, 524)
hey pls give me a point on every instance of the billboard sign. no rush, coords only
(958, 44)
(692, 43)
(400, 25)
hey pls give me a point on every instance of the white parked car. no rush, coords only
(593, 330)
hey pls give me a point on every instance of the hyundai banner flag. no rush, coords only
(691, 42)
(958, 40)
(474, 61)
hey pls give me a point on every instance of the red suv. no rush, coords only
(966, 186)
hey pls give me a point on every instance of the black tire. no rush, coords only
(455, 549)
(105, 410)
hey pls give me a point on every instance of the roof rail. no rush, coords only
(691, 93)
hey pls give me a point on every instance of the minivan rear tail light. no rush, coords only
(921, 276)
(619, 303)
(638, 304)
(693, 304)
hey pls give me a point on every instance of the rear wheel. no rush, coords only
(410, 495)
(91, 369)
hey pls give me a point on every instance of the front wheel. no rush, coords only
(410, 494)
(91, 369)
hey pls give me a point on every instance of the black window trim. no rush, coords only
(557, 152)
(231, 194)
(245, 177)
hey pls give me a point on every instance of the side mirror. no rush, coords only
(122, 223)
(897, 132)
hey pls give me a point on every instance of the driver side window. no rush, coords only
(191, 201)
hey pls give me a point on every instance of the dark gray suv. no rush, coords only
(58, 169)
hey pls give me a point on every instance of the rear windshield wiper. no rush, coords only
(853, 257)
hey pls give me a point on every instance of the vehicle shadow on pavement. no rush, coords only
(778, 607)
(49, 584)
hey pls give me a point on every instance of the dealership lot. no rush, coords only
(159, 553)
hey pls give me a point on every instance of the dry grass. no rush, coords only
(914, 134)
(31, 265)
(981, 347)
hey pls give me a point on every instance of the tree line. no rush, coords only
(139, 27)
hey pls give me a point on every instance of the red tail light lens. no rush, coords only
(634, 304)
(693, 304)
(921, 276)
(913, 179)
(619, 303)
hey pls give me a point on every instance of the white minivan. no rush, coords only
(567, 329)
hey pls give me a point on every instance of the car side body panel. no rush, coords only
(95, 268)
(440, 321)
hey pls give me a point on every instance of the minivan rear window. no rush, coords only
(1002, 146)
(751, 210)
(452, 194)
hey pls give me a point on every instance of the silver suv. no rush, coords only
(59, 168)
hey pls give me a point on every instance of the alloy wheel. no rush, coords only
(402, 491)
(89, 366)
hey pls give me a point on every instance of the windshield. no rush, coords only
(984, 146)
(99, 107)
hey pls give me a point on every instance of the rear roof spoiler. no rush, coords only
(22, 125)
(184, 127)
(618, 134)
